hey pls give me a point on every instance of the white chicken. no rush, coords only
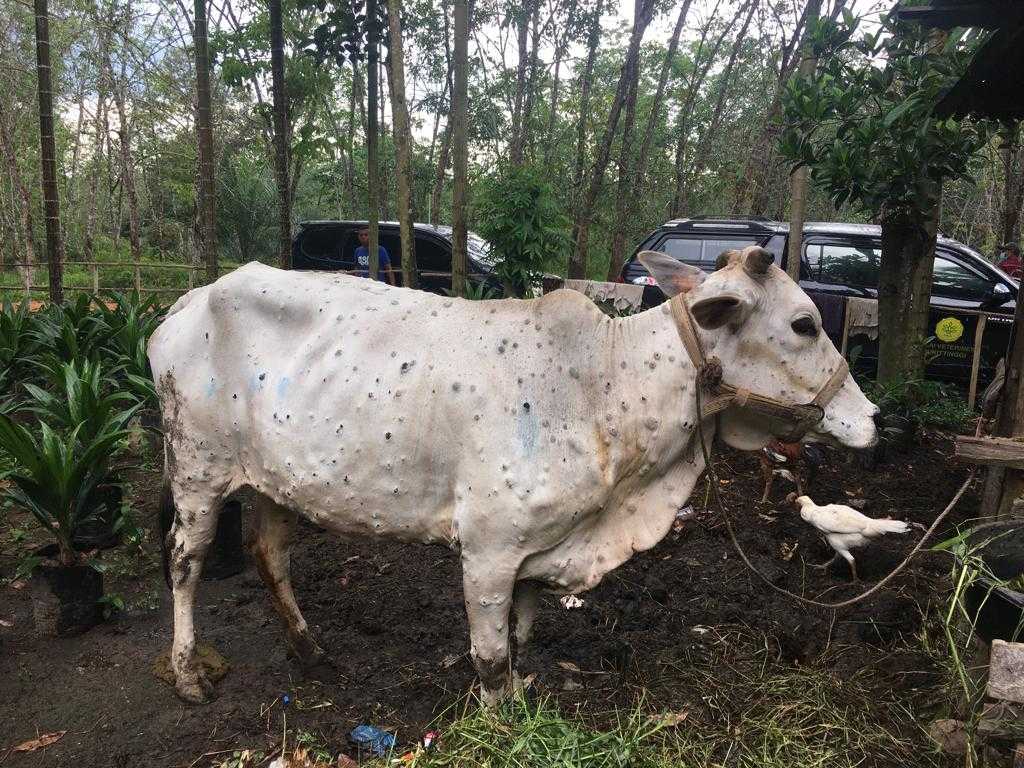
(844, 527)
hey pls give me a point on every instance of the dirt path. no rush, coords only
(392, 617)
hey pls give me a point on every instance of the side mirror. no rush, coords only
(997, 295)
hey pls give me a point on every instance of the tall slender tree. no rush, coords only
(48, 154)
(586, 85)
(372, 164)
(281, 140)
(403, 143)
(204, 131)
(459, 117)
(642, 14)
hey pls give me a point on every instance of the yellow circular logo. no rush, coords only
(949, 329)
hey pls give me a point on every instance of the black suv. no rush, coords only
(331, 246)
(843, 260)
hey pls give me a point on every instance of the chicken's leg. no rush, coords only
(853, 565)
(823, 566)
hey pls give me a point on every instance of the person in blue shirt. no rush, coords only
(363, 258)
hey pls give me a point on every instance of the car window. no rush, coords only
(700, 250)
(852, 264)
(955, 281)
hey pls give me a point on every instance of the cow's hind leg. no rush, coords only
(271, 549)
(195, 524)
(488, 595)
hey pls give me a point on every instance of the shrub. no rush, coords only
(518, 212)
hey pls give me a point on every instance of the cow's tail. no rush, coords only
(166, 521)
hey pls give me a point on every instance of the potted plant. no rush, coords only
(58, 479)
(80, 400)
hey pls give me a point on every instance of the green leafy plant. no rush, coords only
(18, 344)
(920, 403)
(519, 213)
(72, 331)
(81, 399)
(476, 291)
(56, 477)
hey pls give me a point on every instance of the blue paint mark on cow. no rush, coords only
(282, 386)
(211, 388)
(526, 428)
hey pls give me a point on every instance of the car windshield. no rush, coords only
(479, 249)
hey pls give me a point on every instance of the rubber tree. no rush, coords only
(372, 163)
(48, 154)
(281, 140)
(403, 143)
(460, 146)
(204, 132)
(643, 12)
(864, 127)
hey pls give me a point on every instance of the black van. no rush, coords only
(331, 246)
(841, 259)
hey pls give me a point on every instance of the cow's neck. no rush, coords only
(655, 379)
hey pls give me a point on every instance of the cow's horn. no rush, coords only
(756, 260)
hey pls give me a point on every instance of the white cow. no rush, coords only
(547, 441)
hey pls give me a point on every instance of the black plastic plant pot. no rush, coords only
(99, 531)
(227, 556)
(998, 612)
(65, 598)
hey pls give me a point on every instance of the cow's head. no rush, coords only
(767, 333)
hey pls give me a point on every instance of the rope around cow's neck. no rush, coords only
(713, 477)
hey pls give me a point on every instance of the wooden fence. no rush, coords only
(29, 269)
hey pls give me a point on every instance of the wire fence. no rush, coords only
(29, 271)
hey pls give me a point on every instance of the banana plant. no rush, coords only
(57, 476)
(80, 400)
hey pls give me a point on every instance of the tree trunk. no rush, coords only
(800, 177)
(593, 40)
(523, 15)
(531, 83)
(281, 137)
(643, 11)
(91, 203)
(28, 258)
(904, 290)
(459, 116)
(442, 167)
(348, 186)
(204, 128)
(1013, 183)
(48, 154)
(623, 196)
(403, 145)
(372, 167)
(716, 117)
(630, 193)
(683, 123)
(124, 132)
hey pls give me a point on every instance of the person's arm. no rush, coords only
(389, 271)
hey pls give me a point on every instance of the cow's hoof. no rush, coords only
(492, 697)
(319, 667)
(198, 690)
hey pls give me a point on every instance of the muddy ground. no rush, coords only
(393, 619)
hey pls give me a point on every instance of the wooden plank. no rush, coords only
(979, 332)
(990, 451)
(846, 328)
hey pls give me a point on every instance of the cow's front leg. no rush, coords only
(488, 595)
(271, 549)
(525, 598)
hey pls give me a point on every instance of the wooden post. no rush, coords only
(191, 277)
(138, 277)
(1009, 423)
(846, 327)
(979, 332)
(95, 277)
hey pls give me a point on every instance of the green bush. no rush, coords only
(521, 216)
(921, 403)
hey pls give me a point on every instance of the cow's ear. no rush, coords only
(672, 276)
(716, 311)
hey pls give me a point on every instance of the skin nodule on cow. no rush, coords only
(546, 440)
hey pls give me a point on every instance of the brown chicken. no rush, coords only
(800, 461)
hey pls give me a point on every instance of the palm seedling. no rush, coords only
(57, 477)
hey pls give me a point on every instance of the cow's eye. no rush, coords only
(805, 326)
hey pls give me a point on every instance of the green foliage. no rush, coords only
(72, 331)
(865, 124)
(518, 212)
(56, 476)
(919, 403)
(81, 401)
(476, 291)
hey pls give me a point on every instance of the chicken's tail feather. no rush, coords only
(889, 526)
